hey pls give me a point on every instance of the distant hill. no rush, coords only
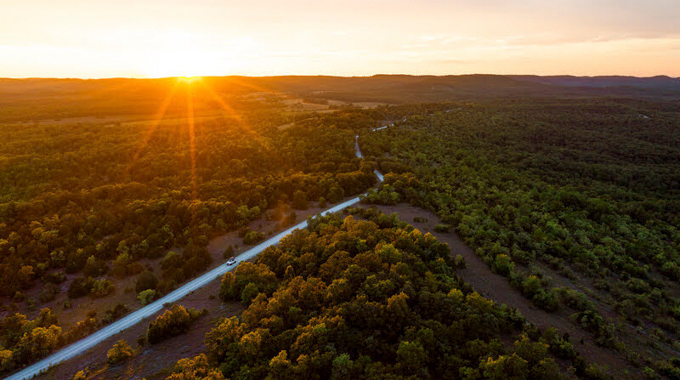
(407, 88)
(660, 82)
(39, 99)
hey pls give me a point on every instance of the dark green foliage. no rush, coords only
(256, 275)
(586, 187)
(48, 292)
(300, 200)
(114, 313)
(365, 299)
(80, 287)
(229, 252)
(442, 228)
(146, 280)
(173, 322)
(253, 237)
(102, 288)
(54, 277)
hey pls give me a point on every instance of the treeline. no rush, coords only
(24, 341)
(368, 299)
(588, 189)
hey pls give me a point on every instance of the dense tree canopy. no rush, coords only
(96, 199)
(588, 190)
(366, 299)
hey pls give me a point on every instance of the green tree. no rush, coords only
(121, 351)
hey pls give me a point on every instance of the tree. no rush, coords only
(102, 288)
(235, 281)
(249, 293)
(300, 200)
(37, 343)
(411, 357)
(196, 368)
(510, 367)
(146, 280)
(80, 287)
(171, 323)
(121, 351)
(145, 297)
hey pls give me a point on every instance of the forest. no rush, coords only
(368, 296)
(83, 206)
(576, 202)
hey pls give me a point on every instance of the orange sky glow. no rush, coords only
(153, 38)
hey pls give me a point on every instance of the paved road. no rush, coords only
(356, 146)
(132, 319)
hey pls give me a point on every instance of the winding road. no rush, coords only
(132, 319)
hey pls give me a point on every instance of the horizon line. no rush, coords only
(339, 76)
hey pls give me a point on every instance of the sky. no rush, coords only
(159, 38)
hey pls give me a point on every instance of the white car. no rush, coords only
(231, 261)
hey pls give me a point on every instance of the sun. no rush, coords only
(190, 80)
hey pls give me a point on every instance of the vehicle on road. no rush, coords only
(231, 261)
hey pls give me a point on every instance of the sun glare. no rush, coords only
(189, 80)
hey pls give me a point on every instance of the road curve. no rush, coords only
(133, 318)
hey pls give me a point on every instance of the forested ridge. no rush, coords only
(586, 190)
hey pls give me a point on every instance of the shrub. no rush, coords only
(102, 288)
(300, 200)
(114, 313)
(5, 360)
(253, 237)
(442, 228)
(80, 287)
(459, 262)
(173, 322)
(55, 277)
(229, 252)
(121, 351)
(597, 372)
(95, 267)
(146, 280)
(145, 297)
(48, 292)
(502, 265)
(575, 299)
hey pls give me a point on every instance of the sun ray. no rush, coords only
(158, 117)
(252, 86)
(192, 140)
(236, 116)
